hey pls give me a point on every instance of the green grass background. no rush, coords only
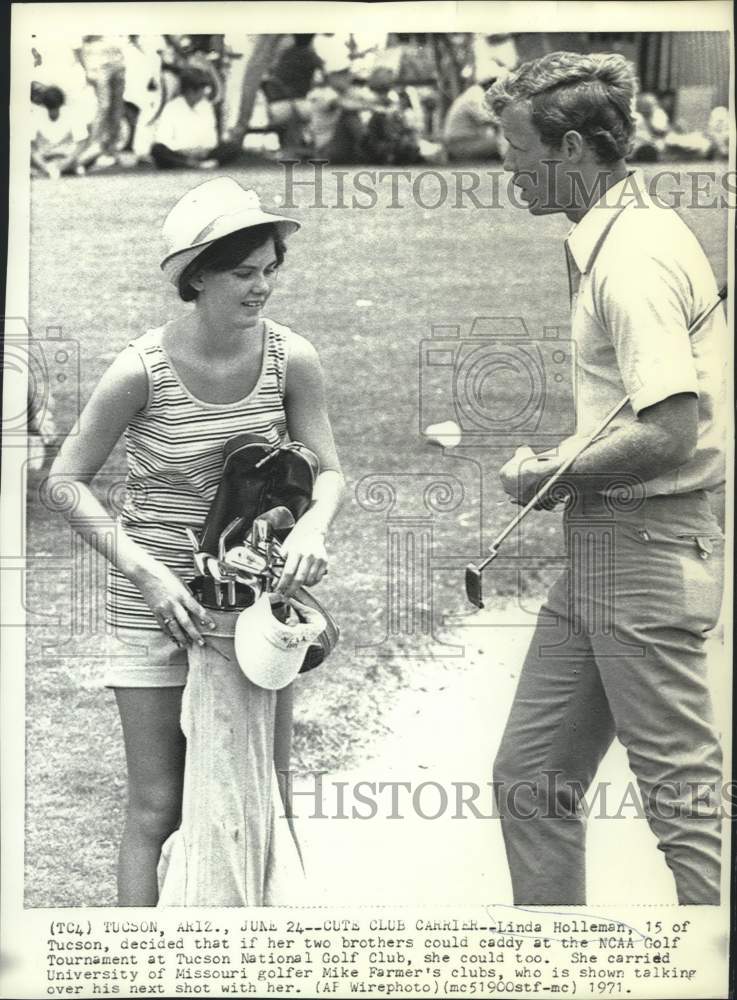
(95, 250)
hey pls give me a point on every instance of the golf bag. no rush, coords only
(258, 476)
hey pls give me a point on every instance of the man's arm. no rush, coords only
(644, 304)
(660, 439)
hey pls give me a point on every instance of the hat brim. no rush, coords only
(175, 262)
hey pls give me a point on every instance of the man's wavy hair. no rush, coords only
(593, 95)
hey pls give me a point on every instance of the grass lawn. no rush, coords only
(366, 287)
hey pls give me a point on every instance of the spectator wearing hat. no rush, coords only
(186, 134)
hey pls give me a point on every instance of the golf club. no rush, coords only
(281, 520)
(243, 557)
(199, 556)
(473, 572)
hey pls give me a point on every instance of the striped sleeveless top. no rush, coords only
(174, 448)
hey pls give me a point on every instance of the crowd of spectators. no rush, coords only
(657, 137)
(172, 101)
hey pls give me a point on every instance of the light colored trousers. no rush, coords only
(619, 649)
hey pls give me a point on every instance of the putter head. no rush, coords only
(473, 585)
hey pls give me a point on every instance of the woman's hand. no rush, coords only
(305, 558)
(174, 607)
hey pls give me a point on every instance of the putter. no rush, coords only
(474, 591)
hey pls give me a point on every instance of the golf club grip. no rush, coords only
(545, 488)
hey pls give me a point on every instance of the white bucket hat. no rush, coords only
(269, 652)
(208, 212)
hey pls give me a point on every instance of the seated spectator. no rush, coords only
(651, 128)
(471, 131)
(390, 135)
(186, 132)
(61, 138)
(656, 138)
(335, 129)
(717, 132)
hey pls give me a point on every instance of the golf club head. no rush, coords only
(243, 557)
(218, 570)
(200, 562)
(278, 517)
(225, 534)
(473, 585)
(281, 520)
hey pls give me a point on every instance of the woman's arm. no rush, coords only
(119, 395)
(308, 422)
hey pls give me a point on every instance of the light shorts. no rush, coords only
(141, 658)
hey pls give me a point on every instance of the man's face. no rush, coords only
(537, 169)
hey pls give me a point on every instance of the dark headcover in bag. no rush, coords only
(256, 477)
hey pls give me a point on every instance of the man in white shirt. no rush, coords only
(186, 132)
(619, 647)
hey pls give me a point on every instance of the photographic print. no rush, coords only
(367, 511)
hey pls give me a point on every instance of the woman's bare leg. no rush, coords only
(155, 751)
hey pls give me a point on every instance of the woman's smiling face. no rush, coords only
(238, 295)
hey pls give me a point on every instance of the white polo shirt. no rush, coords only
(639, 279)
(185, 129)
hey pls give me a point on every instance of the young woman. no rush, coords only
(178, 393)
